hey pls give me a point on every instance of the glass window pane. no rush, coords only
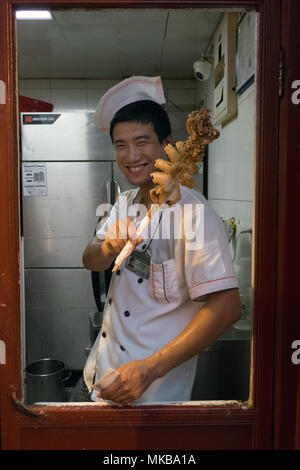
(206, 59)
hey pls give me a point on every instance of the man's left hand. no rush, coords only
(135, 377)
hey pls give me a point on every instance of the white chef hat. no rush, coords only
(128, 91)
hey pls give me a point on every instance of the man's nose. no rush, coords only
(133, 153)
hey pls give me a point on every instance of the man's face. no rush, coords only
(137, 147)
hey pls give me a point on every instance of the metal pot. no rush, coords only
(45, 381)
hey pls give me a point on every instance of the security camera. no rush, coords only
(202, 68)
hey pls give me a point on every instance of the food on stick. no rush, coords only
(182, 165)
(183, 159)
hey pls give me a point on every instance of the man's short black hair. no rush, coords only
(144, 112)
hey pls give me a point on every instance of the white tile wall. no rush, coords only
(84, 94)
(64, 99)
(93, 96)
(185, 98)
(34, 84)
(231, 172)
(42, 94)
(242, 211)
(232, 155)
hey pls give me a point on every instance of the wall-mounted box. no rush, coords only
(225, 99)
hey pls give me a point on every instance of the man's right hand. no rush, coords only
(99, 255)
(119, 233)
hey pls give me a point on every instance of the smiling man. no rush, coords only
(138, 144)
(173, 301)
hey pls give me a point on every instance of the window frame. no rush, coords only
(238, 425)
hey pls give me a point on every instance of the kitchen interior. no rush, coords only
(66, 62)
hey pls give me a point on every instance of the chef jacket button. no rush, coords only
(126, 313)
(110, 301)
(140, 279)
(103, 334)
(118, 272)
(122, 347)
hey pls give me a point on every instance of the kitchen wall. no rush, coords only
(230, 172)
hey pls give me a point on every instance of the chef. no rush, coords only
(171, 298)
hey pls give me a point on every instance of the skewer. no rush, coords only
(129, 247)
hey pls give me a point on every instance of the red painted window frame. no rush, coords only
(208, 427)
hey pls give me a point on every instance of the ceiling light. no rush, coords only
(33, 15)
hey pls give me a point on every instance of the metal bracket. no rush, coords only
(23, 408)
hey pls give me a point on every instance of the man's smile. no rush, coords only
(134, 169)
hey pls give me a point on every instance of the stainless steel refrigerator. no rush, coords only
(68, 170)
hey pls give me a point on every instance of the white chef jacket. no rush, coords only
(143, 315)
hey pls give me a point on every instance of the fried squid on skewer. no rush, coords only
(183, 159)
(182, 165)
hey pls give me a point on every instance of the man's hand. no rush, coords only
(216, 316)
(99, 255)
(119, 233)
(135, 377)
